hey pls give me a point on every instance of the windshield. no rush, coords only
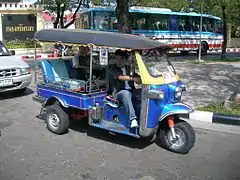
(157, 62)
(3, 50)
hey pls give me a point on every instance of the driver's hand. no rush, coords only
(137, 80)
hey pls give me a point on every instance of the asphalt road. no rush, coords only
(28, 151)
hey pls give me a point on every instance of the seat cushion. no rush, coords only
(60, 70)
(47, 70)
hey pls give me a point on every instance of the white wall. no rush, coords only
(1, 35)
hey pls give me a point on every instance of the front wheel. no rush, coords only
(185, 137)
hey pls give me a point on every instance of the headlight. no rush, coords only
(178, 92)
(155, 94)
(25, 70)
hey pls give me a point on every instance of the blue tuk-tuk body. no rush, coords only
(157, 103)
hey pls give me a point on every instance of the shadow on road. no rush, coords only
(83, 127)
(15, 94)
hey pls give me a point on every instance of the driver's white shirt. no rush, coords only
(75, 60)
(126, 82)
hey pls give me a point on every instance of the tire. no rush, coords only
(183, 130)
(56, 113)
(204, 49)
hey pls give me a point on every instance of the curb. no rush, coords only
(24, 57)
(217, 118)
(233, 49)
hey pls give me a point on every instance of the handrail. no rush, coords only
(71, 85)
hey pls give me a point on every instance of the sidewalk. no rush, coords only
(208, 83)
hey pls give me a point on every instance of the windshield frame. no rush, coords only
(159, 55)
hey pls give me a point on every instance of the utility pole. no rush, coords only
(200, 36)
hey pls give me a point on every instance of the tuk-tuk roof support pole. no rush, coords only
(35, 58)
(90, 78)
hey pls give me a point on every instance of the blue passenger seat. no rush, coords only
(56, 72)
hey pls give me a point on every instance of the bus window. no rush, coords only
(158, 21)
(139, 21)
(195, 23)
(173, 21)
(208, 24)
(82, 23)
(218, 26)
(102, 20)
(187, 23)
(114, 22)
(181, 24)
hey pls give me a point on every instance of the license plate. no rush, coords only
(6, 82)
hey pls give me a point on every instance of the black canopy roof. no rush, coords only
(97, 38)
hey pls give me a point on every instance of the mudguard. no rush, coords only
(175, 108)
(62, 102)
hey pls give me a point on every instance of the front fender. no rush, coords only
(175, 108)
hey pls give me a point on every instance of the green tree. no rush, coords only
(228, 10)
(122, 13)
(59, 7)
(174, 5)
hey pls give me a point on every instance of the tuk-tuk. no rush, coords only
(156, 99)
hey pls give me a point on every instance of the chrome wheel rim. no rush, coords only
(54, 120)
(180, 138)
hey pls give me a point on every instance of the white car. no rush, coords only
(15, 74)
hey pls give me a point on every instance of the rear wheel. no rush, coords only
(185, 137)
(57, 119)
(204, 48)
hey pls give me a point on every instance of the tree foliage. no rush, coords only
(59, 7)
(228, 10)
(174, 5)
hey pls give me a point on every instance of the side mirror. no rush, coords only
(12, 52)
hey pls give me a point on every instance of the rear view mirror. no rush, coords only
(12, 52)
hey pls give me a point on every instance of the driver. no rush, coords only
(123, 84)
(79, 59)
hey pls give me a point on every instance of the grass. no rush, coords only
(219, 108)
(214, 60)
(16, 44)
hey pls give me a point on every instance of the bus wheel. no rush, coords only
(204, 48)
(57, 119)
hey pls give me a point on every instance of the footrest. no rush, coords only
(111, 101)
